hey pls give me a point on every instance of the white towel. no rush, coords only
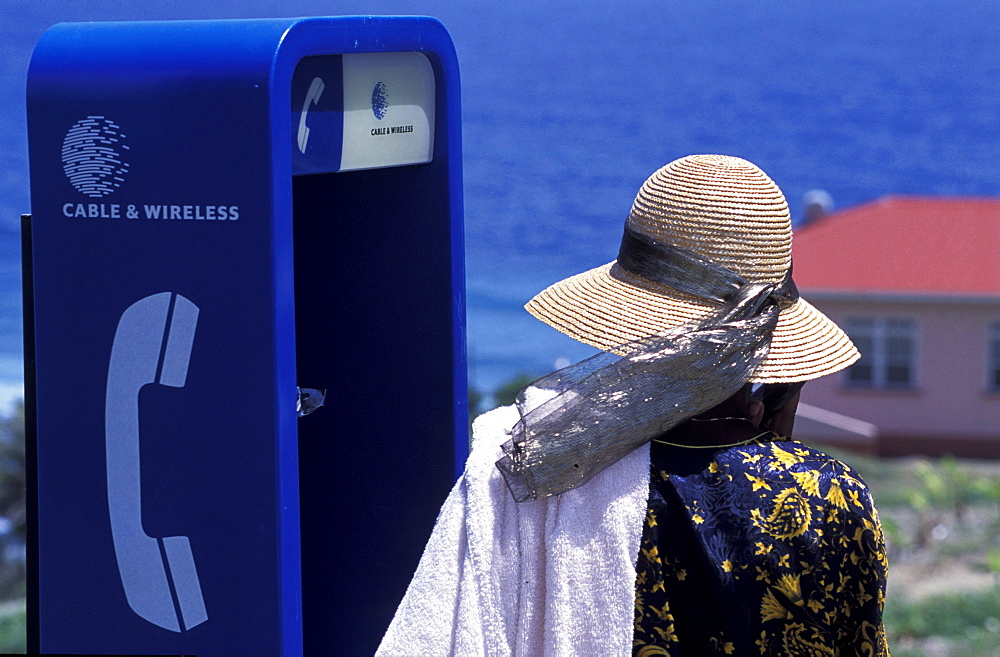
(554, 576)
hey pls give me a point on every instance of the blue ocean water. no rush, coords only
(568, 107)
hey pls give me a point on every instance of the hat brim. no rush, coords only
(608, 306)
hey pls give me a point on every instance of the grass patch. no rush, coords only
(968, 621)
(12, 627)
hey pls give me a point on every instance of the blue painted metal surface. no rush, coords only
(184, 283)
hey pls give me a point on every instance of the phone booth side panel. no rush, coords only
(379, 322)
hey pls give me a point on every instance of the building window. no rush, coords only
(993, 356)
(888, 349)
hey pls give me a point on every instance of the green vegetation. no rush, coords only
(12, 627)
(12, 506)
(507, 393)
(12, 519)
(966, 624)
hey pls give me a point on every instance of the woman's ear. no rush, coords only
(783, 421)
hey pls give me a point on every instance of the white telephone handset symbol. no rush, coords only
(312, 98)
(135, 360)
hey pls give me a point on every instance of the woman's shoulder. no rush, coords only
(787, 453)
(795, 463)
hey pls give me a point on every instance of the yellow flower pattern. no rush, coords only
(772, 548)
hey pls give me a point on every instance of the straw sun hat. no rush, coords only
(729, 211)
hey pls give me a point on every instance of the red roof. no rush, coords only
(901, 244)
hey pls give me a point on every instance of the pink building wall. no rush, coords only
(951, 397)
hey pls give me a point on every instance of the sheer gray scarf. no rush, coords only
(604, 407)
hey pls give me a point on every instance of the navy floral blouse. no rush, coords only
(768, 548)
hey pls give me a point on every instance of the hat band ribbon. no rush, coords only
(602, 408)
(688, 272)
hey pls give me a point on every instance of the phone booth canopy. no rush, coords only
(224, 212)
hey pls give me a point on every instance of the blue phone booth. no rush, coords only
(225, 215)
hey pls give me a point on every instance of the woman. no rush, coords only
(641, 500)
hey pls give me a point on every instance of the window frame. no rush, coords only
(992, 360)
(879, 331)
